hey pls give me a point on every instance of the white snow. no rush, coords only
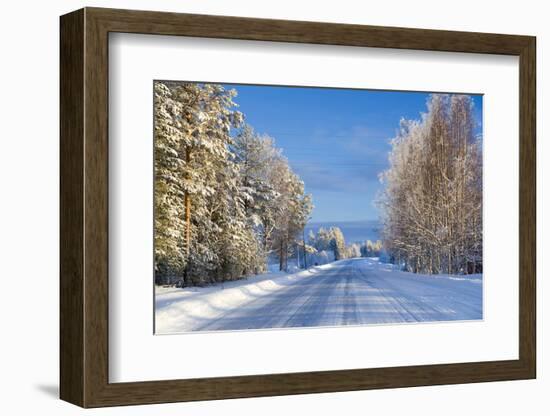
(348, 292)
(178, 310)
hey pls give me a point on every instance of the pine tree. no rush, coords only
(256, 155)
(223, 201)
(192, 126)
(294, 207)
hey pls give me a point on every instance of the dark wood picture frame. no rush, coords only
(84, 207)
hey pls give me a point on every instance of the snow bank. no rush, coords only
(178, 310)
(374, 263)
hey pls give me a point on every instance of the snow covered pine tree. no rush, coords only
(222, 201)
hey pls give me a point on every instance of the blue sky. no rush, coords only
(336, 140)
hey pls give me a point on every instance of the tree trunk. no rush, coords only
(281, 261)
(305, 251)
(187, 205)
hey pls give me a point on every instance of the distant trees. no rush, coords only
(328, 239)
(321, 240)
(353, 250)
(338, 243)
(322, 244)
(371, 248)
(223, 201)
(332, 240)
(432, 203)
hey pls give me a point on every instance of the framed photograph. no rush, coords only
(255, 207)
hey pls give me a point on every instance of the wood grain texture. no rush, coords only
(96, 208)
(527, 207)
(84, 207)
(225, 27)
(71, 100)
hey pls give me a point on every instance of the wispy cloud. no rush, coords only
(346, 160)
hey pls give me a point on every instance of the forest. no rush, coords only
(228, 204)
(225, 196)
(432, 203)
(329, 244)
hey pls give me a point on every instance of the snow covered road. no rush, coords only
(348, 292)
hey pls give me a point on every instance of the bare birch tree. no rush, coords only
(432, 203)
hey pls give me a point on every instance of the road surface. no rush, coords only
(350, 292)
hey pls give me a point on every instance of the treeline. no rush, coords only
(329, 244)
(331, 239)
(225, 196)
(432, 203)
(371, 248)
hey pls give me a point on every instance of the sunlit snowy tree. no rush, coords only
(433, 190)
(224, 195)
